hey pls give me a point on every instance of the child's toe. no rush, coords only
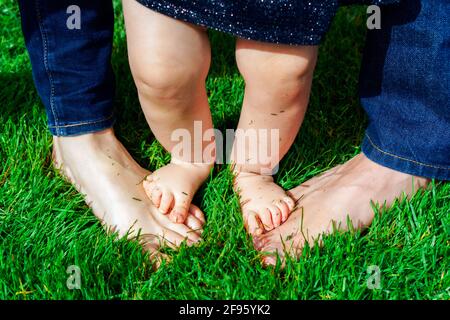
(178, 214)
(253, 224)
(166, 202)
(156, 196)
(284, 209)
(181, 206)
(148, 185)
(266, 219)
(290, 202)
(276, 215)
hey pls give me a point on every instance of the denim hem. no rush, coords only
(82, 127)
(402, 164)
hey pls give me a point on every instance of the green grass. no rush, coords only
(46, 227)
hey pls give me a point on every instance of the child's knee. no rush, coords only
(166, 80)
(284, 76)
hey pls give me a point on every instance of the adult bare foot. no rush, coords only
(326, 201)
(102, 169)
(264, 204)
(172, 187)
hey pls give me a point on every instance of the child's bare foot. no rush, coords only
(170, 60)
(101, 168)
(172, 187)
(327, 200)
(277, 86)
(264, 204)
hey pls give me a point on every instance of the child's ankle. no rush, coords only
(199, 165)
(248, 175)
(245, 171)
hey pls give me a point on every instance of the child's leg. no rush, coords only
(169, 60)
(278, 82)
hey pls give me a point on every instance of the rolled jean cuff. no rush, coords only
(403, 164)
(79, 128)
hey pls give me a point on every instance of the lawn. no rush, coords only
(45, 227)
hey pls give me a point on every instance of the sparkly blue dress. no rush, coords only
(295, 22)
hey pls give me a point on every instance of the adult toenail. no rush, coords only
(257, 243)
(270, 261)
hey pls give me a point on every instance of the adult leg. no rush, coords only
(73, 75)
(405, 91)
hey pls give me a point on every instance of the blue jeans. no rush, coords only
(71, 67)
(405, 89)
(404, 78)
